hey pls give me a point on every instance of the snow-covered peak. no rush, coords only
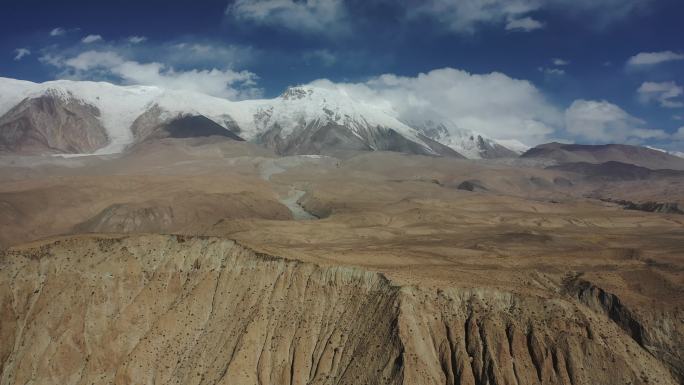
(296, 93)
(678, 154)
(119, 106)
(471, 144)
(302, 106)
(513, 145)
(295, 109)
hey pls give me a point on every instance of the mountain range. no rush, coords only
(644, 157)
(96, 117)
(83, 117)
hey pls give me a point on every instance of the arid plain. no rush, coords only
(367, 268)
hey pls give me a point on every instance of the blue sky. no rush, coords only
(580, 70)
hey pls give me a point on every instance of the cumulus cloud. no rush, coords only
(559, 62)
(137, 39)
(651, 58)
(667, 94)
(526, 24)
(493, 104)
(20, 53)
(91, 39)
(320, 16)
(59, 31)
(106, 64)
(604, 122)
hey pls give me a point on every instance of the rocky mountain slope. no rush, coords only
(303, 120)
(48, 124)
(468, 143)
(310, 120)
(154, 124)
(577, 153)
(613, 170)
(184, 310)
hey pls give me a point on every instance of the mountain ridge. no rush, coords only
(601, 153)
(278, 123)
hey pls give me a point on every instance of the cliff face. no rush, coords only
(660, 334)
(166, 310)
(181, 310)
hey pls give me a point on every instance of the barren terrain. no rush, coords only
(375, 268)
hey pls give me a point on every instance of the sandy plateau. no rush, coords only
(202, 262)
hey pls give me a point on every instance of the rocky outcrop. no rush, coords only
(333, 138)
(655, 207)
(52, 124)
(184, 310)
(651, 207)
(129, 218)
(471, 185)
(657, 334)
(176, 310)
(155, 124)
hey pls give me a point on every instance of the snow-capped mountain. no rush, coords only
(303, 120)
(311, 120)
(115, 108)
(678, 154)
(469, 143)
(514, 145)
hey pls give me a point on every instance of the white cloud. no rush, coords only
(679, 135)
(137, 39)
(191, 54)
(468, 15)
(604, 122)
(322, 56)
(224, 83)
(20, 53)
(493, 104)
(331, 17)
(320, 16)
(552, 71)
(180, 54)
(51, 59)
(91, 39)
(59, 31)
(651, 58)
(526, 24)
(559, 62)
(665, 93)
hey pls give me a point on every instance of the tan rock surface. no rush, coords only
(50, 124)
(170, 309)
(405, 279)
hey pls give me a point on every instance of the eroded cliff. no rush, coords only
(199, 310)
